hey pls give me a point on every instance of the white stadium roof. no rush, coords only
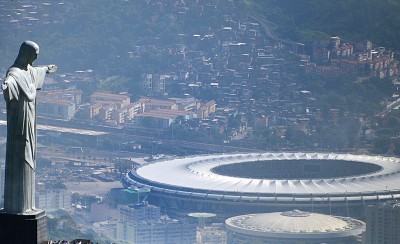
(194, 175)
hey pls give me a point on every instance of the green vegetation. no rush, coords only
(65, 228)
(84, 200)
(55, 185)
(355, 97)
(90, 36)
(130, 40)
(302, 20)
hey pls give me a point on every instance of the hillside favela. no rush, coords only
(201, 121)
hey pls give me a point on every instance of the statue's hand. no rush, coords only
(4, 85)
(51, 68)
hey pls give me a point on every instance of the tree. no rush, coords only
(123, 166)
(381, 145)
(56, 185)
(114, 84)
(66, 228)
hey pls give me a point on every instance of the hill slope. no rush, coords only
(301, 20)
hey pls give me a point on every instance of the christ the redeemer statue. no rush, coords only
(19, 88)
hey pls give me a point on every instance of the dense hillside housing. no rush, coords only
(333, 58)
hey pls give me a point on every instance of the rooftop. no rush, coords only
(295, 224)
(200, 175)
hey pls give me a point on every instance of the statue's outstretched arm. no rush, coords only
(51, 68)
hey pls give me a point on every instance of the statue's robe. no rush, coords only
(20, 95)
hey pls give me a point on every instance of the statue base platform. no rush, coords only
(23, 228)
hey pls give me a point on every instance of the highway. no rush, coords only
(389, 107)
(269, 34)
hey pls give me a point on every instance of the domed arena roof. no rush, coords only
(295, 224)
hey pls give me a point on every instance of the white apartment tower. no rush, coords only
(143, 223)
(383, 223)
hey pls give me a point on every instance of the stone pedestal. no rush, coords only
(23, 228)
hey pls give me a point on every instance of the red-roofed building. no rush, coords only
(108, 98)
(161, 118)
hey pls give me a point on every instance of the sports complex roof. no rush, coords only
(295, 224)
(330, 177)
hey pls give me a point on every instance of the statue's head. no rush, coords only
(28, 53)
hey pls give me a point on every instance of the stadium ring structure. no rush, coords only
(341, 184)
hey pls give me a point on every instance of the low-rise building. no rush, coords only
(153, 104)
(59, 104)
(213, 234)
(72, 95)
(206, 110)
(94, 110)
(160, 118)
(56, 108)
(108, 98)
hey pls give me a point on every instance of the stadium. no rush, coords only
(230, 184)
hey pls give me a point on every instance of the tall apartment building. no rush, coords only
(383, 223)
(143, 223)
(53, 199)
(155, 83)
(135, 213)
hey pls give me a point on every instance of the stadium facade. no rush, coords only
(231, 184)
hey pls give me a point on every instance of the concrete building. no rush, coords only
(106, 112)
(213, 234)
(136, 213)
(187, 104)
(160, 118)
(154, 83)
(143, 223)
(293, 227)
(94, 110)
(159, 232)
(206, 110)
(57, 108)
(59, 103)
(107, 98)
(149, 104)
(383, 223)
(72, 95)
(133, 109)
(119, 115)
(53, 199)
